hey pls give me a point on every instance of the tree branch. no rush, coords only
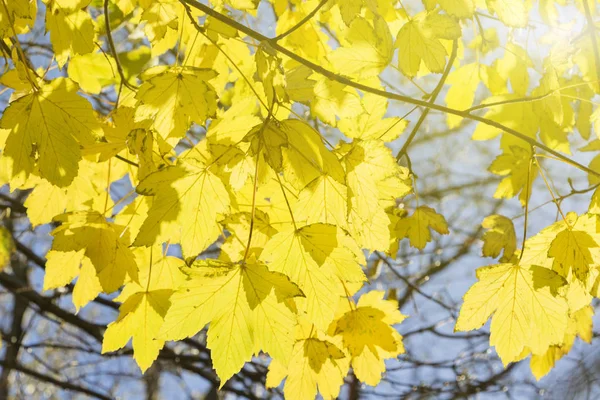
(61, 384)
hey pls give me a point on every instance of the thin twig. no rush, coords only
(113, 50)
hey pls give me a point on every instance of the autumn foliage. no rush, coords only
(264, 170)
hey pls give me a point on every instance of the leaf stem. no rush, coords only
(527, 194)
(554, 199)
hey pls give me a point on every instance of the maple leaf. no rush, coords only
(175, 97)
(317, 364)
(332, 100)
(527, 309)
(520, 173)
(71, 29)
(464, 82)
(57, 122)
(322, 200)
(418, 41)
(318, 258)
(369, 165)
(105, 244)
(145, 304)
(580, 324)
(370, 49)
(245, 306)
(187, 201)
(513, 66)
(92, 71)
(270, 72)
(511, 12)
(368, 335)
(515, 115)
(371, 124)
(21, 16)
(569, 245)
(575, 248)
(417, 226)
(84, 193)
(500, 237)
(294, 147)
(63, 267)
(458, 8)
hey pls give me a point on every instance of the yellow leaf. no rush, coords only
(47, 201)
(595, 166)
(188, 199)
(322, 200)
(520, 173)
(528, 311)
(245, 306)
(349, 9)
(239, 226)
(332, 99)
(511, 12)
(315, 364)
(464, 82)
(63, 267)
(21, 16)
(418, 41)
(369, 164)
(105, 244)
(139, 318)
(307, 40)
(88, 286)
(47, 128)
(417, 227)
(368, 335)
(580, 323)
(369, 52)
(594, 207)
(316, 257)
(574, 248)
(550, 106)
(161, 17)
(232, 125)
(500, 237)
(371, 124)
(515, 116)
(296, 148)
(175, 97)
(93, 71)
(71, 32)
(486, 41)
(277, 372)
(145, 304)
(271, 74)
(461, 9)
